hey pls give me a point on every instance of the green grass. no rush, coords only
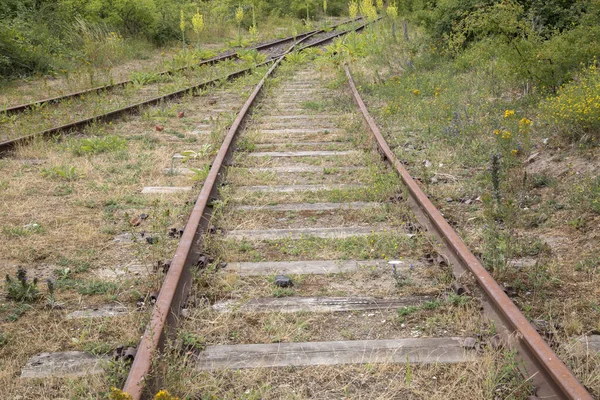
(375, 246)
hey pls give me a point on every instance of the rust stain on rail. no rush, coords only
(175, 287)
(24, 107)
(7, 146)
(560, 380)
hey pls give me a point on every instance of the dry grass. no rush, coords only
(422, 280)
(446, 138)
(392, 215)
(90, 105)
(78, 216)
(490, 377)
(494, 375)
(143, 60)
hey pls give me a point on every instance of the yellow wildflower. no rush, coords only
(506, 135)
(182, 21)
(525, 122)
(118, 394)
(239, 15)
(198, 22)
(353, 9)
(496, 132)
(392, 11)
(164, 395)
(509, 113)
(416, 92)
(514, 152)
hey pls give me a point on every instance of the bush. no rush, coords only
(26, 48)
(575, 109)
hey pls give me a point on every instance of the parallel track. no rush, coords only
(550, 376)
(222, 57)
(8, 145)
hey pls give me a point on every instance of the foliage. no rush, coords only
(27, 47)
(296, 57)
(352, 46)
(575, 109)
(200, 174)
(20, 288)
(252, 56)
(586, 196)
(146, 78)
(367, 9)
(63, 172)
(392, 11)
(543, 42)
(164, 395)
(353, 9)
(98, 145)
(56, 36)
(118, 394)
(198, 25)
(193, 155)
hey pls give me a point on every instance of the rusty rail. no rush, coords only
(556, 380)
(227, 56)
(8, 145)
(175, 287)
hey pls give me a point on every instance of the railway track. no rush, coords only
(317, 251)
(312, 263)
(271, 49)
(69, 117)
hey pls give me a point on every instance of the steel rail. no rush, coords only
(227, 56)
(6, 146)
(560, 381)
(176, 284)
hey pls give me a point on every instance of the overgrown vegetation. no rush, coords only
(43, 36)
(494, 107)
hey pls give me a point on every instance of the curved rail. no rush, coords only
(557, 380)
(176, 284)
(226, 56)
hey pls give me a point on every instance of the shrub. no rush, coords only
(575, 109)
(26, 48)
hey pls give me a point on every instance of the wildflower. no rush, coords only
(325, 6)
(525, 122)
(198, 22)
(118, 394)
(253, 31)
(239, 15)
(514, 152)
(182, 21)
(496, 132)
(392, 11)
(380, 5)
(164, 395)
(353, 9)
(416, 92)
(367, 9)
(509, 113)
(506, 135)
